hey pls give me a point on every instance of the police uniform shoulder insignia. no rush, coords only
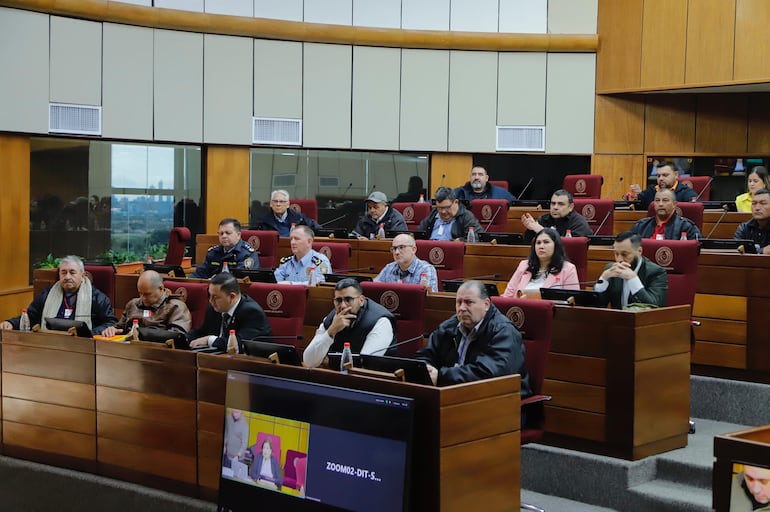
(249, 248)
(213, 247)
(316, 260)
(285, 259)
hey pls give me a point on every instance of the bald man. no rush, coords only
(155, 307)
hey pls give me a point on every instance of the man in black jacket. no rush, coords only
(479, 342)
(758, 228)
(666, 224)
(281, 218)
(229, 309)
(562, 217)
(379, 213)
(449, 220)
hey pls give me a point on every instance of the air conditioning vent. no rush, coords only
(285, 132)
(284, 180)
(521, 138)
(74, 119)
(329, 181)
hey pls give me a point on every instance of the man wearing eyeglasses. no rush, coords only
(281, 218)
(562, 217)
(369, 327)
(449, 220)
(406, 266)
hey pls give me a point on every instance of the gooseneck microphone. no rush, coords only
(385, 349)
(708, 184)
(615, 187)
(525, 187)
(359, 269)
(346, 190)
(333, 220)
(493, 217)
(602, 222)
(725, 209)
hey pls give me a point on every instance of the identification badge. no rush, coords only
(659, 237)
(147, 313)
(440, 230)
(67, 312)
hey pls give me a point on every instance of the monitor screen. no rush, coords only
(750, 488)
(729, 244)
(452, 285)
(260, 275)
(314, 447)
(414, 370)
(503, 238)
(171, 270)
(286, 354)
(336, 278)
(63, 324)
(581, 297)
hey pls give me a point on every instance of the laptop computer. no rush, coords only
(720, 205)
(728, 245)
(287, 354)
(417, 235)
(258, 275)
(601, 239)
(503, 238)
(451, 286)
(332, 233)
(171, 270)
(415, 371)
(588, 298)
(64, 324)
(335, 278)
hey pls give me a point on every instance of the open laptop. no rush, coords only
(64, 324)
(415, 371)
(728, 245)
(417, 235)
(335, 278)
(171, 270)
(287, 354)
(255, 275)
(451, 286)
(588, 298)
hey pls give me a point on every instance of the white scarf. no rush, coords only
(82, 305)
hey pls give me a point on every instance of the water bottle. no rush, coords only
(225, 268)
(347, 357)
(471, 236)
(424, 280)
(683, 236)
(568, 234)
(232, 343)
(312, 277)
(134, 334)
(24, 324)
(422, 198)
(293, 225)
(381, 232)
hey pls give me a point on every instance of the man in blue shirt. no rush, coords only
(406, 266)
(296, 268)
(449, 220)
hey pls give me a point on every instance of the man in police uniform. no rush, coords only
(296, 268)
(231, 250)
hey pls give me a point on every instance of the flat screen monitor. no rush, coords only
(255, 275)
(601, 239)
(336, 278)
(749, 486)
(545, 204)
(332, 233)
(415, 371)
(452, 285)
(417, 235)
(628, 205)
(729, 244)
(720, 205)
(286, 353)
(503, 238)
(587, 298)
(171, 270)
(63, 324)
(332, 448)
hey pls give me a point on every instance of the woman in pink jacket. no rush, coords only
(546, 267)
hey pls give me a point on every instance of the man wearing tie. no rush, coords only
(229, 309)
(632, 278)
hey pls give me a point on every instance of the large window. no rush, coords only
(339, 180)
(102, 199)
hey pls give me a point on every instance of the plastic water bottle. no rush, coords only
(24, 324)
(293, 225)
(422, 198)
(683, 236)
(312, 277)
(424, 280)
(134, 334)
(347, 357)
(471, 239)
(381, 232)
(568, 234)
(232, 343)
(225, 268)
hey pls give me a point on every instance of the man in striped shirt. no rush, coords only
(406, 266)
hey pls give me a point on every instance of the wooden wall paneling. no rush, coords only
(669, 124)
(759, 121)
(227, 185)
(721, 123)
(723, 355)
(758, 353)
(14, 212)
(618, 61)
(449, 169)
(664, 32)
(619, 124)
(710, 41)
(752, 40)
(613, 167)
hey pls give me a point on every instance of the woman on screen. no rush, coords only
(265, 470)
(547, 266)
(756, 180)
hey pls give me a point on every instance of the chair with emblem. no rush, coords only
(194, 294)
(307, 207)
(692, 211)
(534, 320)
(413, 213)
(700, 184)
(599, 213)
(584, 185)
(407, 303)
(338, 253)
(680, 259)
(285, 307)
(491, 213)
(447, 256)
(265, 243)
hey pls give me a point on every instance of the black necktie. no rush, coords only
(225, 324)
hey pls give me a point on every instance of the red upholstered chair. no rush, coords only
(177, 243)
(103, 278)
(692, 211)
(338, 253)
(491, 213)
(576, 250)
(265, 243)
(290, 473)
(446, 256)
(499, 183)
(700, 184)
(584, 185)
(680, 259)
(285, 307)
(407, 303)
(413, 213)
(600, 214)
(195, 295)
(307, 207)
(300, 466)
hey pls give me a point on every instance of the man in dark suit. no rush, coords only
(632, 278)
(229, 309)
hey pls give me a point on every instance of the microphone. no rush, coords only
(615, 187)
(385, 349)
(725, 209)
(268, 338)
(346, 190)
(493, 216)
(333, 220)
(525, 187)
(708, 184)
(603, 221)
